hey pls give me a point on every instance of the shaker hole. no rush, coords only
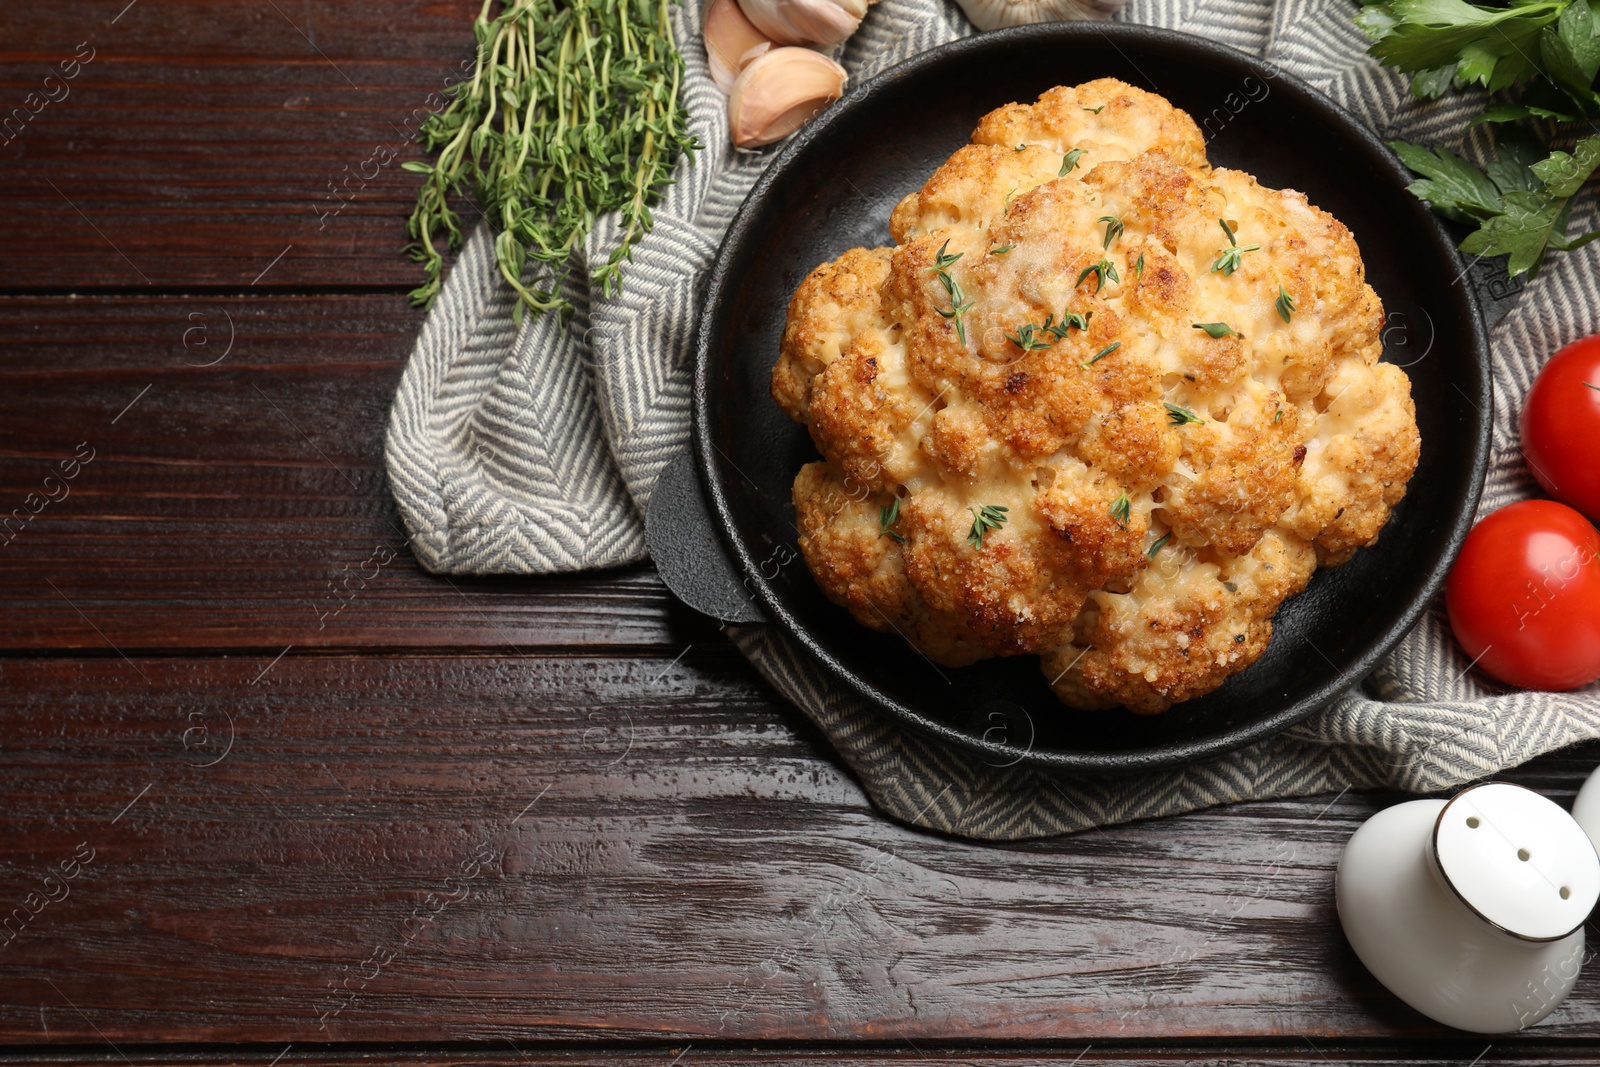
(1565, 893)
(1472, 822)
(1522, 854)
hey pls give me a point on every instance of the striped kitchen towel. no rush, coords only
(534, 450)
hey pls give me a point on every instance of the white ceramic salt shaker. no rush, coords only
(1471, 910)
(1586, 807)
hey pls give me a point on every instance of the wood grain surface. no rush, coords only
(631, 847)
(271, 795)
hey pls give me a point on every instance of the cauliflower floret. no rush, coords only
(1099, 403)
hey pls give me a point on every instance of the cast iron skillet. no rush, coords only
(832, 187)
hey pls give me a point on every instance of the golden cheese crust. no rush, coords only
(1031, 343)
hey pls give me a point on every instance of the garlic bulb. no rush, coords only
(994, 14)
(819, 22)
(730, 37)
(778, 92)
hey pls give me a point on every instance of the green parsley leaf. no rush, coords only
(1563, 175)
(1456, 189)
(1492, 47)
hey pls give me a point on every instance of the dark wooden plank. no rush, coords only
(233, 505)
(623, 848)
(201, 141)
(1445, 1053)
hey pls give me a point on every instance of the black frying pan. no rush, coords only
(832, 187)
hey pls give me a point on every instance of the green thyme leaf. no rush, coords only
(1002, 250)
(1027, 339)
(1138, 266)
(1232, 257)
(887, 517)
(1095, 110)
(1113, 229)
(1102, 354)
(942, 259)
(1284, 303)
(1102, 271)
(1121, 509)
(1217, 329)
(1160, 543)
(986, 518)
(1181, 415)
(1069, 161)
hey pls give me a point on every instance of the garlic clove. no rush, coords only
(819, 22)
(995, 14)
(729, 37)
(779, 92)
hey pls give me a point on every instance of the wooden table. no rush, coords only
(320, 807)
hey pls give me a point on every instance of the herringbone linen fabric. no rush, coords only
(533, 451)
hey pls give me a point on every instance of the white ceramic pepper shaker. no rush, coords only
(1471, 910)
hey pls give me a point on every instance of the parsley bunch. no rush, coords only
(571, 113)
(1546, 53)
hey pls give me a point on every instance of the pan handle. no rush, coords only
(686, 550)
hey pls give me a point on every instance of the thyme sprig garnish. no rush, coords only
(985, 518)
(1122, 509)
(959, 301)
(1102, 354)
(1113, 229)
(943, 259)
(887, 517)
(1160, 543)
(1181, 415)
(1095, 110)
(1217, 329)
(1285, 304)
(1232, 257)
(1069, 161)
(1027, 337)
(1102, 271)
(571, 113)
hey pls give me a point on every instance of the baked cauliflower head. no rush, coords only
(1101, 403)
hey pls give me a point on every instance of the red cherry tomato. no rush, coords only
(1561, 426)
(1524, 596)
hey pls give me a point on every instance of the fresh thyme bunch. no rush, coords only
(571, 113)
